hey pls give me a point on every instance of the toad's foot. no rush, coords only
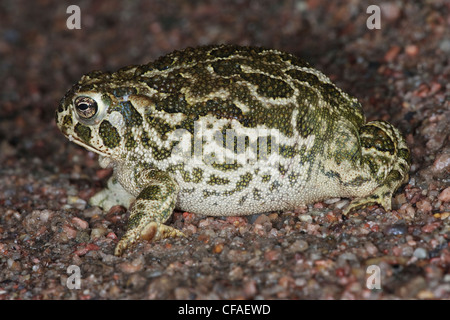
(151, 232)
(381, 196)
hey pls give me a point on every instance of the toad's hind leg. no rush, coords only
(385, 153)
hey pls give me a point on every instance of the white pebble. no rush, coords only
(420, 253)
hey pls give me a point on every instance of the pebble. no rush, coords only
(272, 255)
(420, 253)
(45, 215)
(412, 287)
(250, 288)
(76, 202)
(239, 221)
(396, 229)
(312, 228)
(133, 266)
(69, 232)
(442, 216)
(424, 206)
(341, 204)
(412, 50)
(390, 11)
(236, 273)
(445, 45)
(182, 294)
(204, 223)
(407, 251)
(399, 200)
(112, 235)
(347, 256)
(392, 53)
(262, 218)
(218, 248)
(135, 281)
(188, 217)
(441, 163)
(331, 217)
(305, 218)
(407, 210)
(92, 211)
(80, 223)
(319, 205)
(444, 196)
(428, 228)
(81, 251)
(98, 232)
(191, 229)
(371, 248)
(298, 246)
(425, 294)
(332, 200)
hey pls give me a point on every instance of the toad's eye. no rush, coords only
(86, 107)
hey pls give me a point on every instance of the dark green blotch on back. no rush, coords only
(171, 83)
(306, 121)
(174, 103)
(269, 87)
(304, 76)
(230, 50)
(142, 69)
(226, 68)
(294, 60)
(349, 109)
(124, 91)
(221, 109)
(331, 94)
(164, 62)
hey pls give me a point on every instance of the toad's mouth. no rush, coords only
(84, 145)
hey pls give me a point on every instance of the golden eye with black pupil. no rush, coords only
(86, 107)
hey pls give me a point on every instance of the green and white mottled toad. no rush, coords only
(228, 130)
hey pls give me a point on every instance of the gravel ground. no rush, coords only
(400, 73)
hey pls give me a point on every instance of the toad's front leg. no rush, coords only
(153, 206)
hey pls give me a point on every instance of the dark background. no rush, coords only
(400, 73)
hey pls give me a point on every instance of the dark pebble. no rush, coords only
(396, 229)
